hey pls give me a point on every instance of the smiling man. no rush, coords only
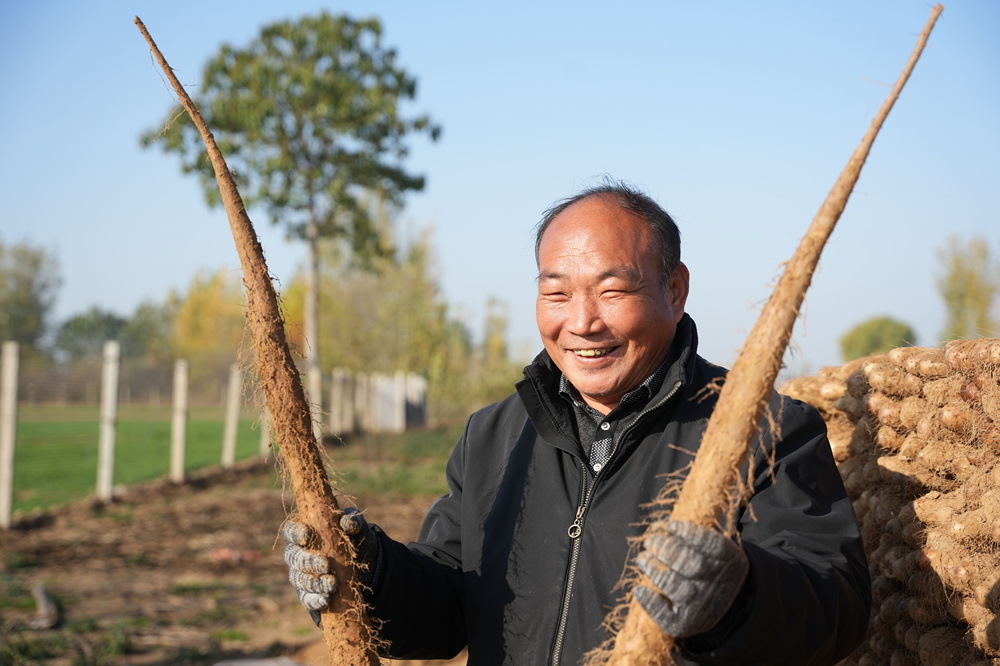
(607, 305)
(520, 560)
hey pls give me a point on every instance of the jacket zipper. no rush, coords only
(575, 530)
(666, 398)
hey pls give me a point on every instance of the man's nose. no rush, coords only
(585, 316)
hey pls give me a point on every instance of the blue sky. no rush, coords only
(737, 117)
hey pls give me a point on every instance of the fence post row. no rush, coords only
(8, 425)
(376, 403)
(358, 403)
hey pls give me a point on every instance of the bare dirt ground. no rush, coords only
(168, 574)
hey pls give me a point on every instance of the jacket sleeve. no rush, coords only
(808, 593)
(419, 603)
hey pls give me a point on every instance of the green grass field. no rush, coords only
(55, 456)
(55, 459)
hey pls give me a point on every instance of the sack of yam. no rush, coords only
(916, 435)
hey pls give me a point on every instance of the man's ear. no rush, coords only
(679, 284)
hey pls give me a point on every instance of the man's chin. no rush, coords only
(609, 397)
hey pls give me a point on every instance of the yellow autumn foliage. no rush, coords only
(209, 327)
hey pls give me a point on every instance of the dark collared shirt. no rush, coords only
(597, 431)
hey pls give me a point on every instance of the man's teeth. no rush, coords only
(592, 352)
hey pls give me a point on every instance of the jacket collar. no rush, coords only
(552, 417)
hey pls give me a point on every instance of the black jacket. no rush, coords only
(495, 567)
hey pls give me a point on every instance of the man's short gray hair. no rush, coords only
(636, 202)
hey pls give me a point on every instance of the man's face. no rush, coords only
(603, 313)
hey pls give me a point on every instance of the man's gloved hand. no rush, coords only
(309, 571)
(697, 573)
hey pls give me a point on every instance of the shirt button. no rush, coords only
(598, 467)
(605, 425)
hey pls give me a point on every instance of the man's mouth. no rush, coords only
(591, 353)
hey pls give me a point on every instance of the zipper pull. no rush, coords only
(576, 528)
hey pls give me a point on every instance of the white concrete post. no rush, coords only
(178, 425)
(374, 412)
(384, 404)
(371, 403)
(337, 385)
(400, 406)
(8, 427)
(348, 417)
(416, 389)
(361, 402)
(232, 416)
(109, 415)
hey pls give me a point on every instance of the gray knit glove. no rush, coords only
(309, 571)
(697, 573)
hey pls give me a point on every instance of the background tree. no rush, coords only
(874, 336)
(392, 317)
(495, 374)
(968, 282)
(208, 328)
(150, 330)
(29, 280)
(148, 333)
(308, 117)
(82, 337)
(146, 340)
